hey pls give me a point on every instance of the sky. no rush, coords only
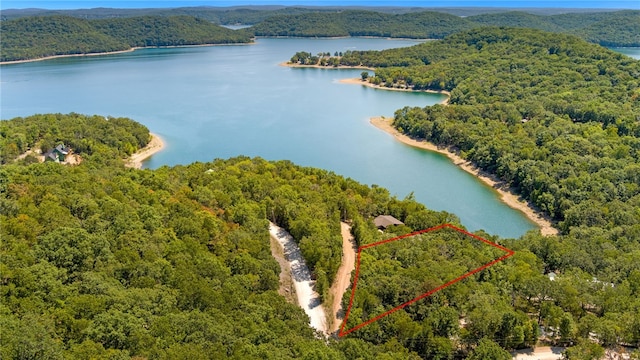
(84, 4)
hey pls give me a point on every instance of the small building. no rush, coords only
(384, 221)
(57, 154)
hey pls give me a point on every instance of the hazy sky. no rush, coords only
(83, 4)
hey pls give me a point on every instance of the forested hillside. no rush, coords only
(550, 114)
(610, 29)
(253, 14)
(420, 25)
(42, 36)
(98, 261)
(102, 261)
(96, 138)
(554, 117)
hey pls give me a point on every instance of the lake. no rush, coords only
(633, 52)
(225, 101)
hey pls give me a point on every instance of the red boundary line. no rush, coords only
(431, 292)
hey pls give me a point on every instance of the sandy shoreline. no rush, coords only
(507, 195)
(341, 67)
(67, 56)
(357, 81)
(112, 52)
(154, 146)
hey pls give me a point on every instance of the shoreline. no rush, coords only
(340, 67)
(357, 81)
(66, 56)
(113, 52)
(507, 195)
(155, 145)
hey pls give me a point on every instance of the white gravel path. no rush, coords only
(308, 298)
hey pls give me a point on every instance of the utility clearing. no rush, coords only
(295, 271)
(308, 298)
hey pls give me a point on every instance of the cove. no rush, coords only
(225, 101)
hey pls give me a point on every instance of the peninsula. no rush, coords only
(155, 145)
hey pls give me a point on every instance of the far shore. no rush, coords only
(358, 81)
(112, 52)
(507, 195)
(154, 146)
(340, 67)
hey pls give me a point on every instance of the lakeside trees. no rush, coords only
(32, 37)
(619, 28)
(558, 119)
(42, 36)
(105, 140)
(100, 260)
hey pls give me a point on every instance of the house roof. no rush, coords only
(51, 155)
(386, 220)
(62, 149)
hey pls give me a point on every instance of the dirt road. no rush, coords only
(343, 277)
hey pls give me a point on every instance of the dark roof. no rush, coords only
(51, 155)
(62, 149)
(385, 221)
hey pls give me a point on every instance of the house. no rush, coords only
(57, 154)
(384, 221)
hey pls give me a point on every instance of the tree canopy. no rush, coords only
(619, 28)
(102, 30)
(103, 261)
(41, 36)
(558, 120)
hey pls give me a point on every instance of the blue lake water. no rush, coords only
(224, 101)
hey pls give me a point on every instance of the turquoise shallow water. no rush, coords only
(224, 101)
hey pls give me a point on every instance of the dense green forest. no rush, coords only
(421, 25)
(42, 36)
(101, 261)
(621, 28)
(96, 138)
(253, 14)
(550, 114)
(556, 118)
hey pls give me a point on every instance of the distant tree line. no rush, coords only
(42, 36)
(32, 37)
(252, 15)
(621, 28)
